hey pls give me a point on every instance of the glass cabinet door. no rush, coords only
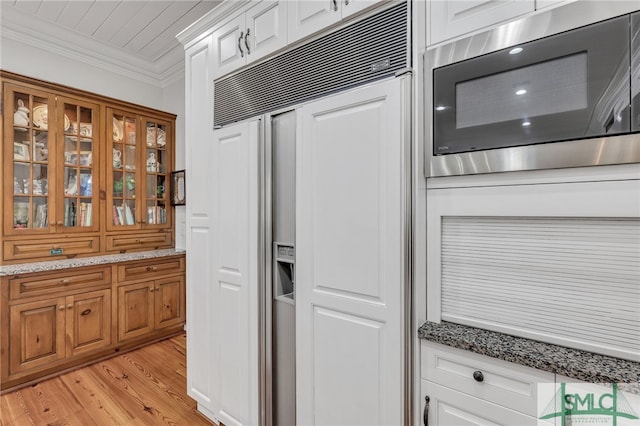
(79, 125)
(157, 164)
(124, 166)
(27, 153)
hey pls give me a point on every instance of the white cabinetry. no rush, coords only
(350, 257)
(471, 389)
(306, 17)
(250, 36)
(453, 18)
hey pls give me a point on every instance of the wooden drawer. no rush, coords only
(502, 381)
(29, 249)
(152, 268)
(138, 241)
(46, 283)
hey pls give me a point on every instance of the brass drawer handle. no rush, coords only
(152, 268)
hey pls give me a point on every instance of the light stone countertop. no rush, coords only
(573, 363)
(54, 265)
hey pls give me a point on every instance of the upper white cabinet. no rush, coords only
(250, 36)
(307, 17)
(453, 18)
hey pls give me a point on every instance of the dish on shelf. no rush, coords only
(40, 118)
(118, 130)
(151, 136)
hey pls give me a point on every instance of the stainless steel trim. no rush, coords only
(409, 332)
(585, 152)
(579, 153)
(265, 273)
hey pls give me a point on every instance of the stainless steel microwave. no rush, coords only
(558, 89)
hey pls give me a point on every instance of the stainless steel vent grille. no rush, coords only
(368, 50)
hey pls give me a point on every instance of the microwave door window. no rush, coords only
(564, 87)
(550, 87)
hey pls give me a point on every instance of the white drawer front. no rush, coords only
(503, 383)
(448, 407)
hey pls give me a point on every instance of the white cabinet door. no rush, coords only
(350, 257)
(306, 17)
(451, 408)
(198, 134)
(266, 29)
(233, 329)
(453, 18)
(229, 50)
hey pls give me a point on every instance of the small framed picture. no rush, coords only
(20, 151)
(178, 188)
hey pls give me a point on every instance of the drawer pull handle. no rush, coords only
(152, 268)
(425, 414)
(86, 312)
(65, 281)
(478, 376)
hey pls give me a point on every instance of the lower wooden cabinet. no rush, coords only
(53, 321)
(150, 305)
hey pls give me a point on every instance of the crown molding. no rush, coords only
(35, 32)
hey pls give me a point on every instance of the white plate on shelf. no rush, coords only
(118, 130)
(40, 118)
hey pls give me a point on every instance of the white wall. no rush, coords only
(173, 101)
(38, 63)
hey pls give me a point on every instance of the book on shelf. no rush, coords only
(120, 211)
(129, 215)
(41, 219)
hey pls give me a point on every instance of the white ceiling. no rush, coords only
(135, 34)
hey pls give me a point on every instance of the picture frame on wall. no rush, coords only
(178, 188)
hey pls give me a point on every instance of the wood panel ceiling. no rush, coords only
(145, 29)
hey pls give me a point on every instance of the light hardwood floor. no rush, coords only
(143, 387)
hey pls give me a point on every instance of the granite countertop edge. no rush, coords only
(58, 264)
(573, 363)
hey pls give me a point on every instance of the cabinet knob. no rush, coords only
(61, 308)
(151, 289)
(152, 268)
(70, 306)
(59, 223)
(157, 288)
(478, 376)
(64, 281)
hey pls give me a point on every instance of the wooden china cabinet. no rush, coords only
(83, 176)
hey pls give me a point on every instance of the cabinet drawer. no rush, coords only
(448, 407)
(138, 241)
(16, 250)
(502, 382)
(39, 284)
(154, 268)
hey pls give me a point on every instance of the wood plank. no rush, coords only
(142, 387)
